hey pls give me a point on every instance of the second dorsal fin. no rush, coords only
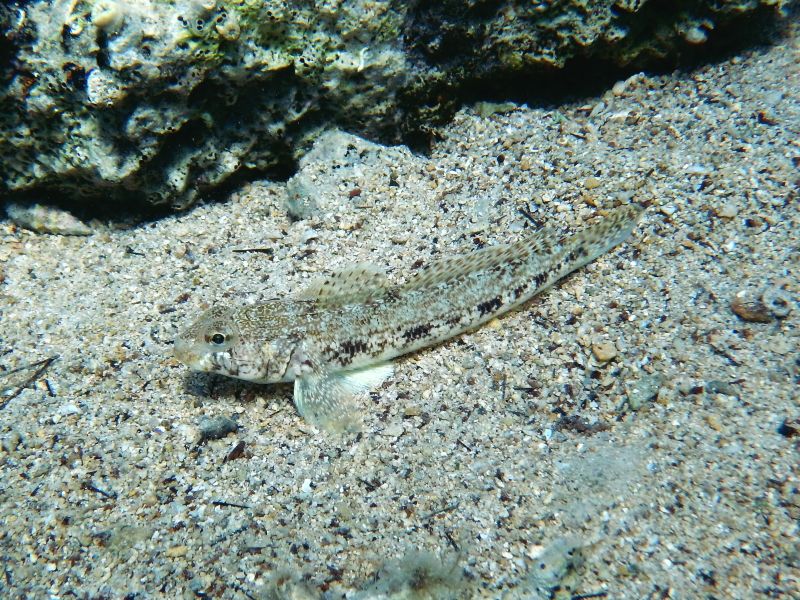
(358, 283)
(447, 269)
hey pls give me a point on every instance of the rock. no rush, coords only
(45, 219)
(176, 551)
(604, 351)
(335, 157)
(644, 390)
(161, 102)
(214, 428)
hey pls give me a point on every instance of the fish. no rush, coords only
(336, 340)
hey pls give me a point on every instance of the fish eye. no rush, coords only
(217, 339)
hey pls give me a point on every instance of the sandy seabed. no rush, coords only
(625, 435)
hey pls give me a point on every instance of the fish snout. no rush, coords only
(184, 351)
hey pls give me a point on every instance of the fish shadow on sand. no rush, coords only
(211, 387)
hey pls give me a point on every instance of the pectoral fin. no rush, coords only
(327, 400)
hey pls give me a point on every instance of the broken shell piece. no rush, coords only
(790, 427)
(777, 301)
(46, 219)
(751, 310)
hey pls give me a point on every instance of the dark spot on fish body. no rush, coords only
(490, 306)
(577, 252)
(453, 321)
(330, 353)
(349, 348)
(417, 332)
(391, 295)
(518, 291)
(539, 279)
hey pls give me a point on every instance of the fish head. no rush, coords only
(225, 341)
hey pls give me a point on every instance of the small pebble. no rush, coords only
(695, 35)
(644, 390)
(214, 428)
(720, 387)
(68, 409)
(12, 441)
(592, 183)
(727, 211)
(149, 499)
(412, 411)
(668, 210)
(177, 551)
(393, 430)
(619, 87)
(590, 200)
(604, 351)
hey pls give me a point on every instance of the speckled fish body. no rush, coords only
(336, 340)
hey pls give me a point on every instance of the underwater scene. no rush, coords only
(370, 299)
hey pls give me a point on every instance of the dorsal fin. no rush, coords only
(358, 283)
(446, 269)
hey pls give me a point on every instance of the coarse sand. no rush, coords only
(628, 434)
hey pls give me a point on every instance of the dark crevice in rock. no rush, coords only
(102, 57)
(448, 34)
(10, 40)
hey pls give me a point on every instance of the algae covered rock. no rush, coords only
(159, 101)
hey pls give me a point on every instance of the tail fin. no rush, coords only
(586, 245)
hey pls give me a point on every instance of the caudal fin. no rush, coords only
(586, 245)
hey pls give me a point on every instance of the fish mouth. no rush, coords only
(185, 352)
